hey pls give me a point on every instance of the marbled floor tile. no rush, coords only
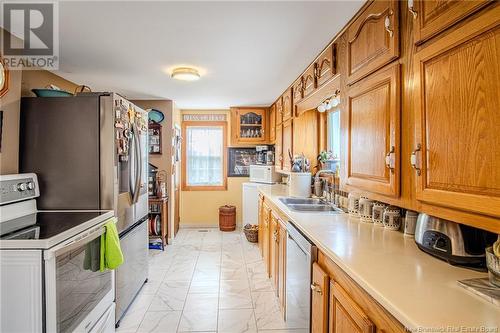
(233, 273)
(198, 320)
(204, 287)
(260, 283)
(171, 296)
(267, 311)
(285, 331)
(160, 322)
(236, 321)
(199, 302)
(135, 313)
(180, 272)
(210, 273)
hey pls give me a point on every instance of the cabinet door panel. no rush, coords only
(279, 111)
(287, 143)
(297, 92)
(458, 118)
(273, 251)
(309, 80)
(345, 315)
(432, 17)
(287, 105)
(261, 225)
(373, 133)
(326, 65)
(278, 147)
(272, 123)
(266, 239)
(282, 266)
(372, 39)
(319, 305)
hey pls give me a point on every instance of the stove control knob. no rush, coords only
(30, 185)
(22, 187)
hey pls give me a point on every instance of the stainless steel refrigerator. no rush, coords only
(90, 152)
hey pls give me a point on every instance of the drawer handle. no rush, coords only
(316, 288)
(414, 160)
(387, 24)
(390, 159)
(411, 9)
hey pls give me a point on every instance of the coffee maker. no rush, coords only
(265, 155)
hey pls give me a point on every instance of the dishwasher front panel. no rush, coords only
(300, 254)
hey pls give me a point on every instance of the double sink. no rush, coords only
(309, 205)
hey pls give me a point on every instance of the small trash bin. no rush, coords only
(227, 218)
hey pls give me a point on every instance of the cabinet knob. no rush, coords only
(390, 160)
(415, 163)
(316, 288)
(387, 24)
(411, 9)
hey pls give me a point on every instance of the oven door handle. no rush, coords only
(75, 242)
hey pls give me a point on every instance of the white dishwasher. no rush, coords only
(300, 255)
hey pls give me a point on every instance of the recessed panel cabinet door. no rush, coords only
(319, 305)
(287, 105)
(457, 157)
(261, 225)
(432, 17)
(279, 111)
(372, 39)
(278, 147)
(274, 251)
(282, 265)
(326, 65)
(309, 80)
(373, 133)
(345, 315)
(272, 124)
(287, 143)
(266, 238)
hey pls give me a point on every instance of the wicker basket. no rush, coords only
(251, 233)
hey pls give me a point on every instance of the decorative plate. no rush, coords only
(155, 116)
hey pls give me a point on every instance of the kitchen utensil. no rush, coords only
(392, 218)
(456, 243)
(493, 264)
(410, 222)
(366, 209)
(353, 204)
(378, 213)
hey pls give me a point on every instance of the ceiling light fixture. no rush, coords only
(185, 74)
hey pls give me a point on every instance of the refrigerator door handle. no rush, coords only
(138, 165)
(132, 167)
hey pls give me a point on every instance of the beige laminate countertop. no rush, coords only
(419, 290)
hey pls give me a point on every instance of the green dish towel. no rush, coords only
(111, 252)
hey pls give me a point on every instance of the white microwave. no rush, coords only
(263, 174)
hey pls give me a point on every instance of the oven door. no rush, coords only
(77, 294)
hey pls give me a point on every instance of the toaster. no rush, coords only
(458, 244)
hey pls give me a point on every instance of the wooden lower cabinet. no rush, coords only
(266, 237)
(282, 265)
(348, 307)
(274, 250)
(319, 300)
(261, 225)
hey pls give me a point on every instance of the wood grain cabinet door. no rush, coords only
(278, 147)
(373, 133)
(272, 123)
(319, 304)
(345, 315)
(297, 88)
(282, 266)
(372, 39)
(287, 144)
(279, 111)
(287, 105)
(261, 225)
(266, 239)
(433, 17)
(326, 66)
(457, 157)
(309, 80)
(274, 251)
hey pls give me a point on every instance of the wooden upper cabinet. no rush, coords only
(279, 111)
(326, 66)
(287, 105)
(297, 88)
(432, 17)
(248, 126)
(287, 144)
(309, 80)
(272, 123)
(458, 119)
(345, 315)
(319, 304)
(278, 147)
(372, 39)
(373, 133)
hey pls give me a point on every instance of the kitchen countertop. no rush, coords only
(416, 288)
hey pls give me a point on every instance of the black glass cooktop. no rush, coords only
(44, 225)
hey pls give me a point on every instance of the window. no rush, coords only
(334, 133)
(204, 156)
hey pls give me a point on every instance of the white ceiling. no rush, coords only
(248, 52)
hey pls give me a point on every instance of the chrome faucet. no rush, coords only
(316, 180)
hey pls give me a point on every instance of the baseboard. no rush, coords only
(184, 225)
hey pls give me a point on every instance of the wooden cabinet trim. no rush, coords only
(319, 304)
(352, 310)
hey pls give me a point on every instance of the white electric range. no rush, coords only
(49, 265)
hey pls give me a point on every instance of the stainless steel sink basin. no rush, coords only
(301, 201)
(308, 205)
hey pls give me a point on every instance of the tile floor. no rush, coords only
(207, 281)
